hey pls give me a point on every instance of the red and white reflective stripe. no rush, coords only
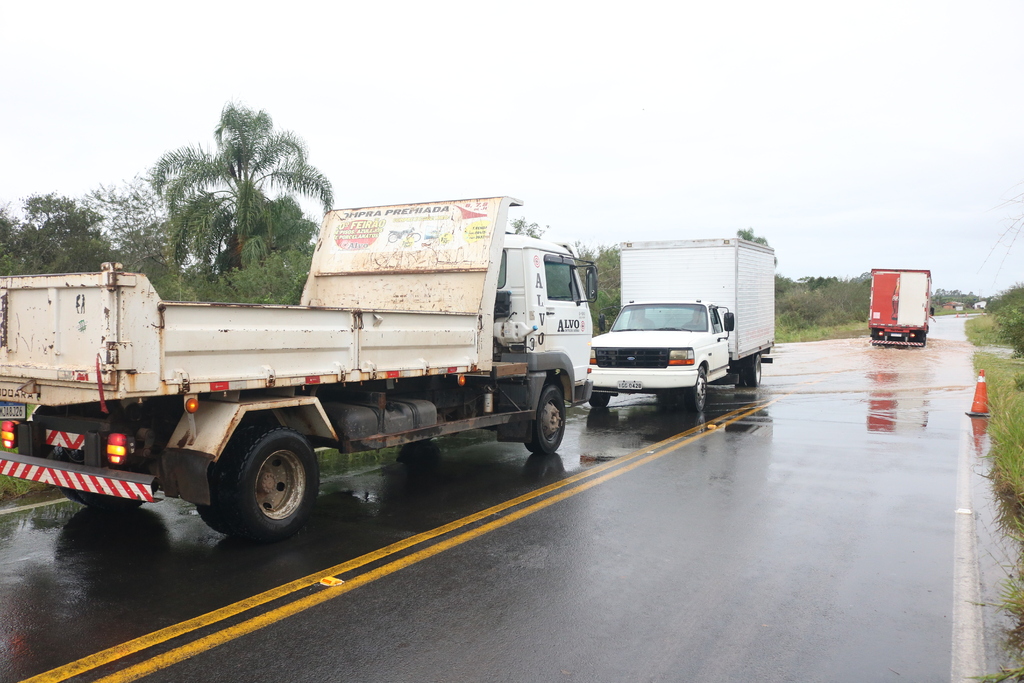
(64, 439)
(896, 343)
(76, 480)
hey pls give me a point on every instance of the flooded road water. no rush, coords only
(800, 531)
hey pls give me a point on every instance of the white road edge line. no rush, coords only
(968, 659)
(10, 511)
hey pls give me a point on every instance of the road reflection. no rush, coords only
(897, 381)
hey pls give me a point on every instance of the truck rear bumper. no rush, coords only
(79, 477)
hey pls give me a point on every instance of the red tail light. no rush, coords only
(9, 434)
(117, 448)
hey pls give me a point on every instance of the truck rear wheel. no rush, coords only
(695, 397)
(549, 424)
(750, 374)
(264, 486)
(599, 400)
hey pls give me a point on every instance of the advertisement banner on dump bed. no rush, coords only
(436, 237)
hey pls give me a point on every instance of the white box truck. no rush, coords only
(693, 312)
(416, 321)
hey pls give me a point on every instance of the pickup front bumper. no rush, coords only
(623, 380)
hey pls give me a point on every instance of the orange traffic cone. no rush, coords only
(980, 406)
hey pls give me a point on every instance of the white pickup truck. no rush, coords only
(693, 312)
(416, 321)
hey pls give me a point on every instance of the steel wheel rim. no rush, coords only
(280, 484)
(757, 370)
(550, 421)
(700, 391)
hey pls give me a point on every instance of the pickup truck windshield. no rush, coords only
(666, 317)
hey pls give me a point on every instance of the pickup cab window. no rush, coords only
(716, 322)
(664, 317)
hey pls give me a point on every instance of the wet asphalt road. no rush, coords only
(810, 540)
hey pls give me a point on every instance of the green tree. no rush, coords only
(749, 235)
(521, 227)
(221, 216)
(54, 235)
(607, 258)
(135, 224)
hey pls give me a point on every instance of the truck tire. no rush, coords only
(264, 486)
(549, 424)
(696, 397)
(750, 374)
(599, 400)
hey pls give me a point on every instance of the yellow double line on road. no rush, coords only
(596, 475)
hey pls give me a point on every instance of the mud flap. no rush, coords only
(183, 474)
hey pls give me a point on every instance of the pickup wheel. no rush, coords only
(549, 425)
(750, 374)
(264, 486)
(695, 397)
(599, 400)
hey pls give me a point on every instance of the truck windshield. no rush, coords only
(667, 317)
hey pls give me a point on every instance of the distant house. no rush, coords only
(980, 306)
(952, 306)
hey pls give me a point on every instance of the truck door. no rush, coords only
(561, 308)
(719, 350)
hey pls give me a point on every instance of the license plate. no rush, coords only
(630, 384)
(12, 411)
(895, 334)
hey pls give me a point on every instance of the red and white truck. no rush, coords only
(416, 321)
(900, 307)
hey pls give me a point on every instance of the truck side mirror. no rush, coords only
(591, 283)
(601, 322)
(730, 321)
(932, 311)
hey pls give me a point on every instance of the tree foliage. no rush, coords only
(607, 258)
(53, 234)
(221, 215)
(134, 222)
(520, 226)
(820, 301)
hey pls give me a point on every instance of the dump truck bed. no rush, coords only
(81, 337)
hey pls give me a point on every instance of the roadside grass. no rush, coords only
(786, 335)
(1004, 379)
(983, 330)
(12, 488)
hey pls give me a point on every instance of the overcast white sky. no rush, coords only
(853, 136)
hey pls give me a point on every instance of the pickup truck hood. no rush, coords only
(648, 339)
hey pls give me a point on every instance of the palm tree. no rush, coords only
(220, 215)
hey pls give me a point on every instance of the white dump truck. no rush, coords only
(693, 312)
(416, 321)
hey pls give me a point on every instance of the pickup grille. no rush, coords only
(632, 358)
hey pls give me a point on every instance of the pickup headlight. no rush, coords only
(680, 357)
(593, 357)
